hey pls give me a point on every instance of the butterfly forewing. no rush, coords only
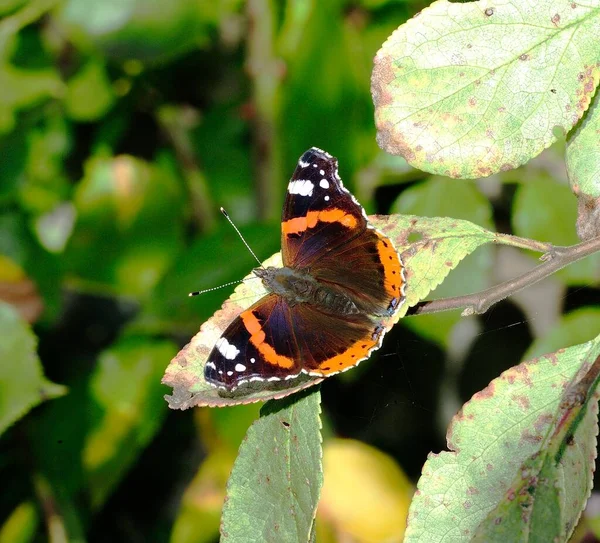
(319, 214)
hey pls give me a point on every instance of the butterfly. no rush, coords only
(330, 304)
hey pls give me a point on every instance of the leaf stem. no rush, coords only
(554, 259)
(524, 243)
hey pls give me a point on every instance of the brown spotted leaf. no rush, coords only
(499, 453)
(430, 248)
(467, 89)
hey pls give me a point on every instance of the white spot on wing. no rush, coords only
(303, 164)
(303, 187)
(253, 360)
(240, 367)
(211, 365)
(322, 172)
(230, 373)
(327, 198)
(228, 350)
(324, 184)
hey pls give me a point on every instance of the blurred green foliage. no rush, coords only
(124, 125)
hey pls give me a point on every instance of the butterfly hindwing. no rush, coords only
(255, 346)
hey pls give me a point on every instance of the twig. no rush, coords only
(555, 259)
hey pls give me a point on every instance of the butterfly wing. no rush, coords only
(257, 346)
(325, 230)
(330, 344)
(273, 341)
(319, 214)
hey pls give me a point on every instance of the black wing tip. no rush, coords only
(315, 153)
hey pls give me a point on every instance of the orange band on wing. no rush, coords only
(392, 268)
(257, 338)
(350, 357)
(310, 220)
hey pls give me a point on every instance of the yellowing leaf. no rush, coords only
(470, 89)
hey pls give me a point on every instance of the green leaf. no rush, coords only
(22, 382)
(6, 6)
(547, 211)
(452, 103)
(494, 436)
(280, 460)
(548, 493)
(430, 249)
(125, 394)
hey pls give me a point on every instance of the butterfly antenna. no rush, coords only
(198, 292)
(241, 237)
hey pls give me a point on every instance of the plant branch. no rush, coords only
(555, 259)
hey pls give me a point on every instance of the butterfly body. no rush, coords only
(330, 304)
(298, 286)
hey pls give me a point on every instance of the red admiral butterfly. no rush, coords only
(331, 303)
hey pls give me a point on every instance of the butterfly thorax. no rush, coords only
(298, 286)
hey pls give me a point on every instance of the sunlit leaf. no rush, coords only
(452, 103)
(281, 460)
(22, 382)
